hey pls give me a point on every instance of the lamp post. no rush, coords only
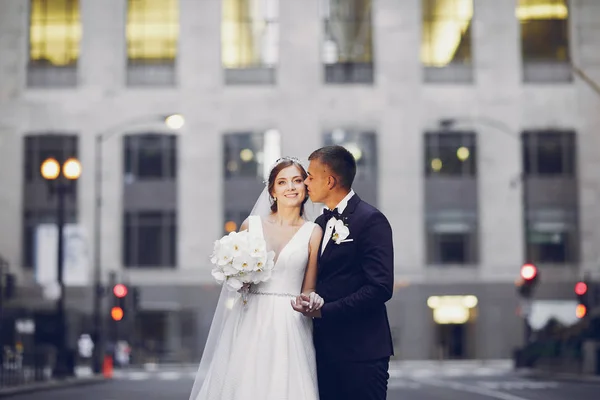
(61, 186)
(171, 121)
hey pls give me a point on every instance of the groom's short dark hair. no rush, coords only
(339, 160)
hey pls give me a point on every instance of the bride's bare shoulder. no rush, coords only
(245, 224)
(317, 232)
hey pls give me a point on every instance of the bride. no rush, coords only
(264, 350)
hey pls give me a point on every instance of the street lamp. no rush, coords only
(61, 187)
(171, 121)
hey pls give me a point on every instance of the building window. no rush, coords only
(544, 39)
(54, 40)
(150, 157)
(446, 40)
(451, 201)
(450, 154)
(41, 147)
(552, 234)
(453, 247)
(248, 158)
(555, 244)
(250, 40)
(31, 221)
(348, 41)
(38, 206)
(152, 38)
(152, 31)
(150, 239)
(551, 196)
(251, 155)
(548, 153)
(54, 32)
(544, 29)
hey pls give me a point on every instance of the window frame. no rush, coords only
(133, 151)
(133, 222)
(433, 149)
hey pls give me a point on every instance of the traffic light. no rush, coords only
(528, 281)
(118, 310)
(583, 300)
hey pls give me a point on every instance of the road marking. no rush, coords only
(518, 385)
(138, 376)
(169, 375)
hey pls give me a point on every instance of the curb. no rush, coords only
(588, 378)
(52, 385)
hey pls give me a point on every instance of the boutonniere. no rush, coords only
(340, 231)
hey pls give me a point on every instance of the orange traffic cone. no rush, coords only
(107, 367)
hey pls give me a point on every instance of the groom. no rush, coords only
(351, 334)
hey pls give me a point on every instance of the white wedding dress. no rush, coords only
(265, 350)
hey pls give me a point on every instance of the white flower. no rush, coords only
(229, 270)
(234, 283)
(239, 258)
(244, 262)
(260, 262)
(224, 257)
(239, 244)
(215, 254)
(257, 246)
(218, 275)
(341, 232)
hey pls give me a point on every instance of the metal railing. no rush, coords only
(21, 368)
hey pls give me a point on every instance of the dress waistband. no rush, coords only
(271, 294)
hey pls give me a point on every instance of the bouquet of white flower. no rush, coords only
(241, 258)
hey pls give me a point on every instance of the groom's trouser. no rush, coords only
(346, 380)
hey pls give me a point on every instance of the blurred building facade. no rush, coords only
(472, 130)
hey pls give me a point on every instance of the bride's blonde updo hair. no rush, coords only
(280, 165)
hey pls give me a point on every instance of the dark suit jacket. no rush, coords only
(355, 279)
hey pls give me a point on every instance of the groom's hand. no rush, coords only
(308, 305)
(313, 301)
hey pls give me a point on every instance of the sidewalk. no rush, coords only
(52, 384)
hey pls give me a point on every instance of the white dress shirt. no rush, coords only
(330, 224)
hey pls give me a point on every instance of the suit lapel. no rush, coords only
(346, 216)
(320, 221)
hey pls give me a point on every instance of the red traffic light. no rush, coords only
(120, 290)
(581, 288)
(528, 272)
(116, 313)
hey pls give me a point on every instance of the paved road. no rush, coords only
(410, 381)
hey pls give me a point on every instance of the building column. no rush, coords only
(400, 134)
(13, 36)
(499, 148)
(300, 37)
(200, 178)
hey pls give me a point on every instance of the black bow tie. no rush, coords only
(331, 213)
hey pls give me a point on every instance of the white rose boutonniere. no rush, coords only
(340, 232)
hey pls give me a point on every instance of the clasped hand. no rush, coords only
(308, 305)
